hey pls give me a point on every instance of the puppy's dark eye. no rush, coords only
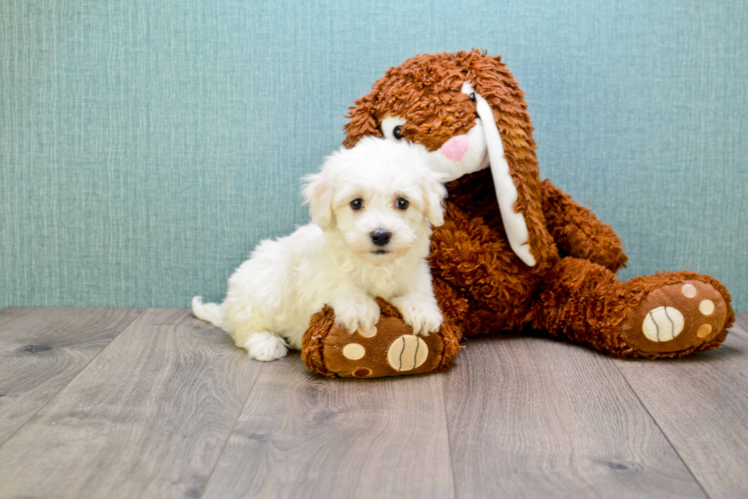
(402, 203)
(472, 96)
(398, 132)
(357, 204)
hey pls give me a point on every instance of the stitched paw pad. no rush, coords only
(388, 349)
(676, 318)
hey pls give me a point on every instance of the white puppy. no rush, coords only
(371, 207)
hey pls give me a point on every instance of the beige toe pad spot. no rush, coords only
(706, 307)
(662, 324)
(704, 331)
(689, 290)
(354, 351)
(407, 353)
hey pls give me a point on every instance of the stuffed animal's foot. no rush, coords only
(390, 348)
(676, 318)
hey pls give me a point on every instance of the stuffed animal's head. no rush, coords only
(467, 111)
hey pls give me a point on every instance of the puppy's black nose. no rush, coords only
(380, 237)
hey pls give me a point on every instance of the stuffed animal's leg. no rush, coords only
(663, 315)
(389, 349)
(578, 233)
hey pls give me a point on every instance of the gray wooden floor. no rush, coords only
(154, 403)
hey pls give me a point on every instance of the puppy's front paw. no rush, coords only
(356, 314)
(265, 347)
(423, 315)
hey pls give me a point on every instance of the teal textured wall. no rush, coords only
(146, 147)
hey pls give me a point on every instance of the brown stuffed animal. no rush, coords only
(514, 252)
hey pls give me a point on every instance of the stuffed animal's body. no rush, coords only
(513, 252)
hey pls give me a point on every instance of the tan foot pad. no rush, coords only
(676, 318)
(387, 350)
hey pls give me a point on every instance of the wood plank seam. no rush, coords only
(667, 438)
(302, 435)
(228, 436)
(546, 418)
(83, 368)
(167, 395)
(449, 440)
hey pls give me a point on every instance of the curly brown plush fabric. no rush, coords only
(313, 341)
(578, 233)
(481, 285)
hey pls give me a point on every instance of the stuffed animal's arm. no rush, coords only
(578, 233)
(468, 254)
(470, 257)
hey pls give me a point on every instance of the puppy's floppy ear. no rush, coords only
(434, 193)
(318, 193)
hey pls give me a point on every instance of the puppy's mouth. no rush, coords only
(380, 252)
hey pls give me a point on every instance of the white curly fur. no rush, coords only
(272, 296)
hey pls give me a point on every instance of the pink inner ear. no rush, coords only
(456, 147)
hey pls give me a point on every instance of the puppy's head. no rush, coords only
(380, 196)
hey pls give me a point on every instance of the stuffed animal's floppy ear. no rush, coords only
(434, 193)
(498, 89)
(362, 120)
(318, 193)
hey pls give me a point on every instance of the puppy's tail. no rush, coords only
(210, 312)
